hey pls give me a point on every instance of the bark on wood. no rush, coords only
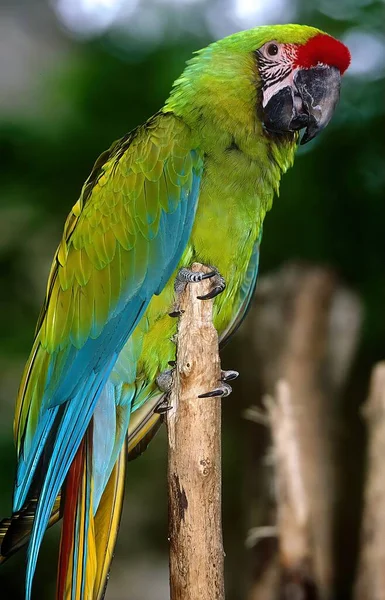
(370, 583)
(194, 462)
(304, 330)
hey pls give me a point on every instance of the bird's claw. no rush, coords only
(176, 313)
(186, 276)
(224, 389)
(165, 379)
(221, 391)
(218, 285)
(229, 375)
(163, 408)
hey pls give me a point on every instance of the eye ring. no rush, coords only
(272, 49)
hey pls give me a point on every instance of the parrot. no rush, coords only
(192, 184)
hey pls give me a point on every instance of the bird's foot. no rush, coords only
(186, 276)
(164, 381)
(224, 389)
(163, 407)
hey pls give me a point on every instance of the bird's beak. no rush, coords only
(309, 103)
(319, 89)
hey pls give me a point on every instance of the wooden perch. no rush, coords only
(370, 583)
(194, 458)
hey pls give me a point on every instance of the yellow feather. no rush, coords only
(107, 520)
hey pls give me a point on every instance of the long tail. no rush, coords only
(16, 530)
(88, 540)
(84, 559)
(92, 552)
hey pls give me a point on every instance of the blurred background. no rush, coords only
(76, 75)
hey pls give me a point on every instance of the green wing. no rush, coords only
(121, 243)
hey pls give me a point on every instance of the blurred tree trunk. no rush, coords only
(303, 329)
(370, 584)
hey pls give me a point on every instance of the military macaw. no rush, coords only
(192, 184)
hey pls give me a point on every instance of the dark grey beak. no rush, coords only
(319, 89)
(309, 104)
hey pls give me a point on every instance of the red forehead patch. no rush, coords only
(323, 49)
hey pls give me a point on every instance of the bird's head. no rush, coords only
(286, 77)
(300, 82)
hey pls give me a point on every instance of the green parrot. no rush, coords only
(193, 184)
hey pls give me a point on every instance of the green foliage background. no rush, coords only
(331, 210)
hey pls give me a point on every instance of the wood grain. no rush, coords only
(194, 459)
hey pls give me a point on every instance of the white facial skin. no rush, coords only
(276, 67)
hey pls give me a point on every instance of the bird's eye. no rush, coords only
(272, 49)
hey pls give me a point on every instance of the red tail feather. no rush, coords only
(74, 478)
